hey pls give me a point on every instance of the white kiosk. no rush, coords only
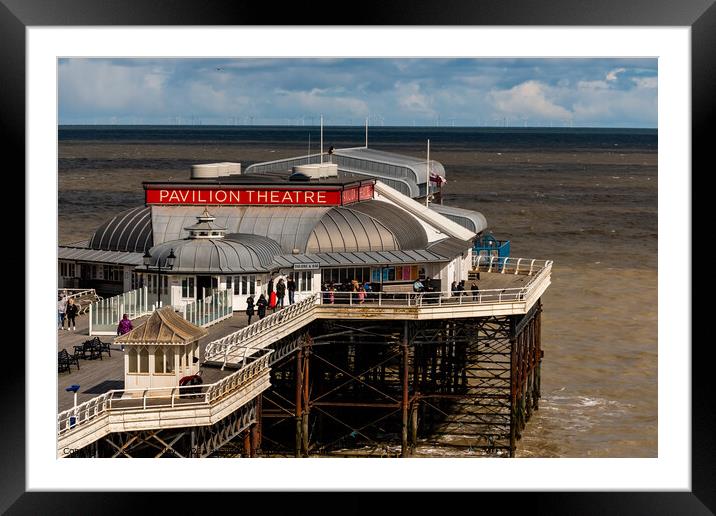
(161, 351)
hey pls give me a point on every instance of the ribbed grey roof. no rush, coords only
(93, 255)
(407, 230)
(360, 258)
(346, 230)
(131, 230)
(240, 253)
(290, 226)
(450, 247)
(472, 220)
(308, 229)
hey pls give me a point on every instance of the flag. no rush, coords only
(435, 178)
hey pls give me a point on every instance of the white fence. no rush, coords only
(215, 307)
(106, 313)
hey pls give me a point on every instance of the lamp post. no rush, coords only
(168, 264)
(73, 388)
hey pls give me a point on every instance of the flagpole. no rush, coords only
(427, 183)
(366, 132)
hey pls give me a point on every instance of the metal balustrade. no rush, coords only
(236, 347)
(157, 398)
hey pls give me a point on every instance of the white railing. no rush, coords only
(509, 265)
(159, 397)
(243, 343)
(215, 307)
(105, 314)
(420, 299)
(223, 346)
(75, 293)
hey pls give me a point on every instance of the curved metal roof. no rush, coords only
(290, 226)
(472, 220)
(240, 253)
(346, 230)
(130, 230)
(409, 233)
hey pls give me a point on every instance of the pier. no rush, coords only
(321, 378)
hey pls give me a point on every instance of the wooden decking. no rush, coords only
(97, 376)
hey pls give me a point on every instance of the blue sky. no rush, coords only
(422, 92)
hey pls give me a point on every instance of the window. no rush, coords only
(164, 360)
(187, 287)
(67, 270)
(136, 281)
(112, 272)
(159, 360)
(228, 282)
(132, 354)
(144, 360)
(244, 285)
(304, 280)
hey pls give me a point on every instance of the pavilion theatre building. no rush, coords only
(312, 222)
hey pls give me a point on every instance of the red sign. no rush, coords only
(243, 196)
(350, 195)
(365, 192)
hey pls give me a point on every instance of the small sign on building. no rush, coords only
(306, 266)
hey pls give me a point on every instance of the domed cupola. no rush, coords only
(205, 227)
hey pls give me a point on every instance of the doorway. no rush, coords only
(204, 284)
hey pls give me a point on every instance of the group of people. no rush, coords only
(360, 289)
(458, 289)
(67, 309)
(276, 297)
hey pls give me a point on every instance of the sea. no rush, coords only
(585, 198)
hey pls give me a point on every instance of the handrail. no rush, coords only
(204, 395)
(220, 349)
(225, 344)
(78, 292)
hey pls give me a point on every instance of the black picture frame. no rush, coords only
(700, 15)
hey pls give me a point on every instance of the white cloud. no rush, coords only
(612, 75)
(110, 88)
(411, 99)
(645, 82)
(532, 99)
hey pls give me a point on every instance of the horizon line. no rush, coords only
(363, 126)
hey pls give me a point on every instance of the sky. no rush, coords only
(390, 92)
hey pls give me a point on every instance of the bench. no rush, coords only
(65, 360)
(89, 349)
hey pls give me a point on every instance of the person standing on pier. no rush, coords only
(72, 311)
(280, 293)
(475, 291)
(250, 307)
(125, 326)
(291, 286)
(61, 307)
(261, 305)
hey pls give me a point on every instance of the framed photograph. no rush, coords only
(651, 448)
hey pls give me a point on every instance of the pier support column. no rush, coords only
(513, 389)
(404, 452)
(299, 396)
(306, 408)
(256, 429)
